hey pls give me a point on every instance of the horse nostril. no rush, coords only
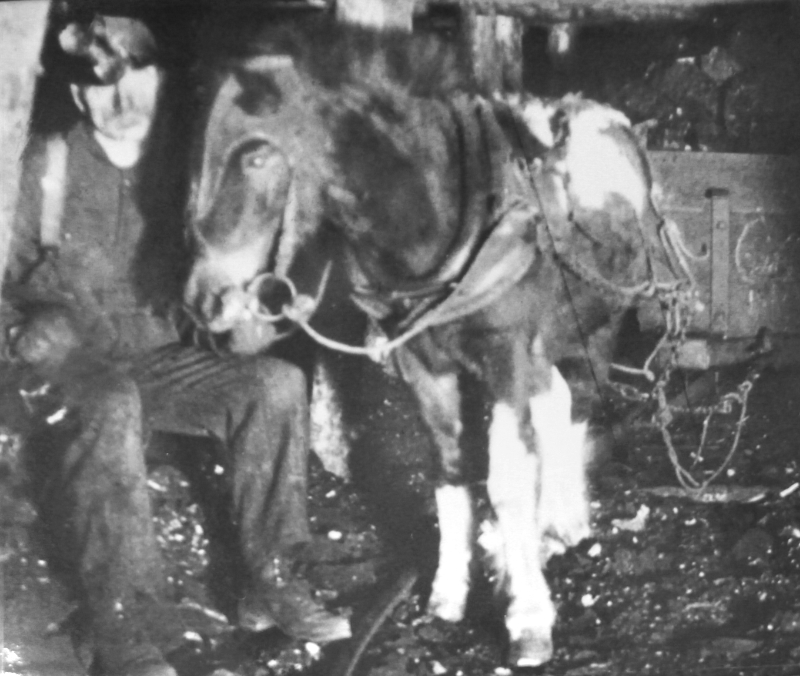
(222, 310)
(203, 307)
(216, 307)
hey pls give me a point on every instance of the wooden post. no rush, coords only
(493, 46)
(561, 46)
(379, 14)
(22, 26)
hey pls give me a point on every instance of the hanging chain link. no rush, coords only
(678, 316)
(725, 406)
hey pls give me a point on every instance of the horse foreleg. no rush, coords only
(514, 477)
(439, 398)
(451, 585)
(563, 449)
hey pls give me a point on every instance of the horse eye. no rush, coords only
(255, 160)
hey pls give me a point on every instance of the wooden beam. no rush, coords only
(531, 11)
(493, 45)
(379, 14)
(22, 25)
(587, 11)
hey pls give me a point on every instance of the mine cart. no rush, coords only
(739, 216)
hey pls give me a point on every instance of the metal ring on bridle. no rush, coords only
(259, 308)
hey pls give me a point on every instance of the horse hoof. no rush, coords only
(448, 600)
(530, 650)
(446, 608)
(558, 539)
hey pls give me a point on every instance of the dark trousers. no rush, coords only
(94, 497)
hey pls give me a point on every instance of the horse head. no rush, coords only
(297, 140)
(255, 194)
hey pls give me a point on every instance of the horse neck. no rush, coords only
(436, 205)
(391, 261)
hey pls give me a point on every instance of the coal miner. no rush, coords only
(93, 271)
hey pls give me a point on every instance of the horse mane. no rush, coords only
(337, 55)
(395, 140)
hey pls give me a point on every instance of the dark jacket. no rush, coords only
(117, 263)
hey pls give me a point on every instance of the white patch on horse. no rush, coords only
(564, 452)
(513, 485)
(537, 114)
(596, 115)
(451, 584)
(603, 160)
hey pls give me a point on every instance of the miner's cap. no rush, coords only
(105, 46)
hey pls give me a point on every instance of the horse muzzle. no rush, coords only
(261, 313)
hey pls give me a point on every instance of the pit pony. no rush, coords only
(486, 238)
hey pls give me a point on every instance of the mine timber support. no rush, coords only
(22, 26)
(585, 11)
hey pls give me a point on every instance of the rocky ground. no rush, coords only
(667, 584)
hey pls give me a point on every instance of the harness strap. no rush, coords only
(477, 139)
(54, 188)
(501, 262)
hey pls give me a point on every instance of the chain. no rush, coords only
(677, 318)
(724, 406)
(667, 412)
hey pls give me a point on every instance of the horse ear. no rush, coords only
(259, 77)
(510, 116)
(266, 63)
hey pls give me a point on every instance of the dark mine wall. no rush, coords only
(729, 83)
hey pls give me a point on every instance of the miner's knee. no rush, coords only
(93, 449)
(110, 413)
(109, 392)
(281, 380)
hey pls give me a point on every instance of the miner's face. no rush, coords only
(123, 112)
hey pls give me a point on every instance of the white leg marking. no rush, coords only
(564, 451)
(451, 585)
(512, 487)
(329, 439)
(537, 114)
